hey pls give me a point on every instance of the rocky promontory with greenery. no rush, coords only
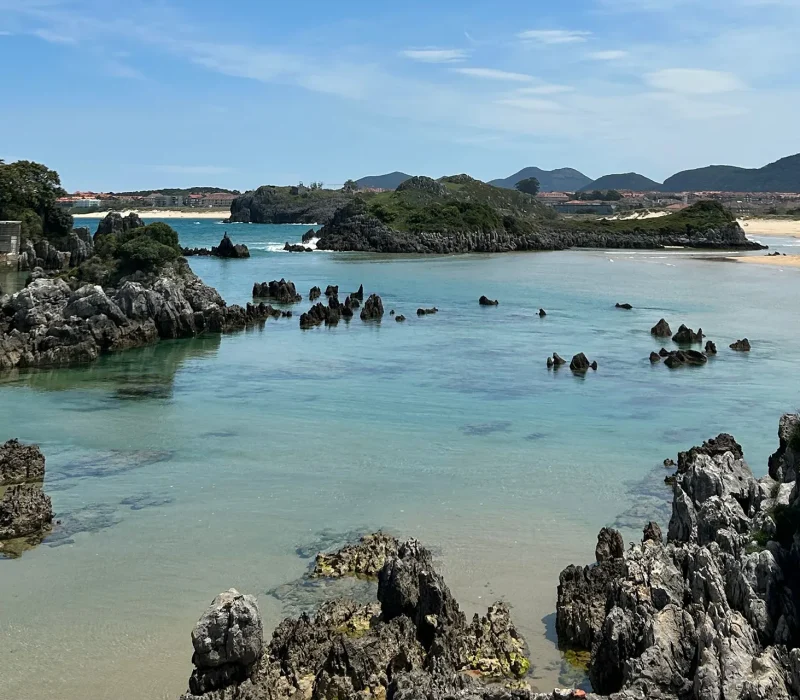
(288, 205)
(461, 215)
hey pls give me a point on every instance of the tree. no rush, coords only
(350, 186)
(28, 192)
(529, 186)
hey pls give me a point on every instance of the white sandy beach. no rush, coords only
(772, 260)
(165, 214)
(771, 227)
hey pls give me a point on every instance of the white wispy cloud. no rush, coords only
(494, 74)
(436, 55)
(5, 34)
(610, 55)
(694, 81)
(545, 90)
(531, 104)
(118, 69)
(193, 169)
(555, 36)
(53, 37)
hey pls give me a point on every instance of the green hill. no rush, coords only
(390, 181)
(623, 181)
(560, 180)
(781, 176)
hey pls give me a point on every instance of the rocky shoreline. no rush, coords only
(711, 613)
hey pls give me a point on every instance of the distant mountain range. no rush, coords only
(390, 181)
(623, 181)
(561, 180)
(781, 176)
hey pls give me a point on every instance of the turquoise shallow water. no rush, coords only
(185, 468)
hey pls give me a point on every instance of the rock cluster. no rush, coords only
(711, 613)
(364, 558)
(279, 290)
(225, 249)
(373, 309)
(414, 643)
(680, 358)
(742, 345)
(427, 312)
(555, 361)
(485, 301)
(297, 248)
(331, 314)
(49, 324)
(686, 336)
(116, 224)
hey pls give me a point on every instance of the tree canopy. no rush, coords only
(28, 193)
(350, 186)
(530, 185)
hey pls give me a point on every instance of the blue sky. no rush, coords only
(157, 93)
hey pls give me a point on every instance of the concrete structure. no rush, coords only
(10, 235)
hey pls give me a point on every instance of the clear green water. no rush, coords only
(185, 468)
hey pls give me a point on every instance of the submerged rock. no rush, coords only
(365, 558)
(661, 330)
(558, 360)
(485, 301)
(711, 347)
(400, 318)
(227, 249)
(427, 312)
(542, 313)
(580, 363)
(742, 345)
(297, 248)
(20, 463)
(625, 306)
(655, 357)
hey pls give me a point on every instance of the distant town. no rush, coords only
(607, 202)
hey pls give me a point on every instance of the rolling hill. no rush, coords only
(560, 180)
(623, 181)
(781, 176)
(390, 181)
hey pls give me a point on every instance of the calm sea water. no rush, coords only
(186, 468)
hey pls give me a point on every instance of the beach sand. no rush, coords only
(774, 260)
(771, 227)
(165, 214)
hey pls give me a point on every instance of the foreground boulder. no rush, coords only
(712, 612)
(415, 642)
(24, 510)
(20, 463)
(373, 309)
(279, 290)
(228, 643)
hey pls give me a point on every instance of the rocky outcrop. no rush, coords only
(329, 315)
(332, 291)
(288, 205)
(20, 463)
(661, 330)
(711, 613)
(80, 246)
(43, 254)
(355, 227)
(687, 336)
(742, 345)
(555, 361)
(297, 248)
(279, 290)
(542, 313)
(485, 301)
(359, 294)
(25, 510)
(225, 249)
(314, 294)
(49, 324)
(654, 358)
(115, 223)
(580, 363)
(373, 309)
(625, 306)
(415, 642)
(711, 347)
(400, 318)
(784, 464)
(427, 312)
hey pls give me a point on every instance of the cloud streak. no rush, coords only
(554, 36)
(495, 74)
(436, 55)
(694, 81)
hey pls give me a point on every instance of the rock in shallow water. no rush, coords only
(20, 463)
(24, 510)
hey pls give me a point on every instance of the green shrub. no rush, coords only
(145, 253)
(159, 232)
